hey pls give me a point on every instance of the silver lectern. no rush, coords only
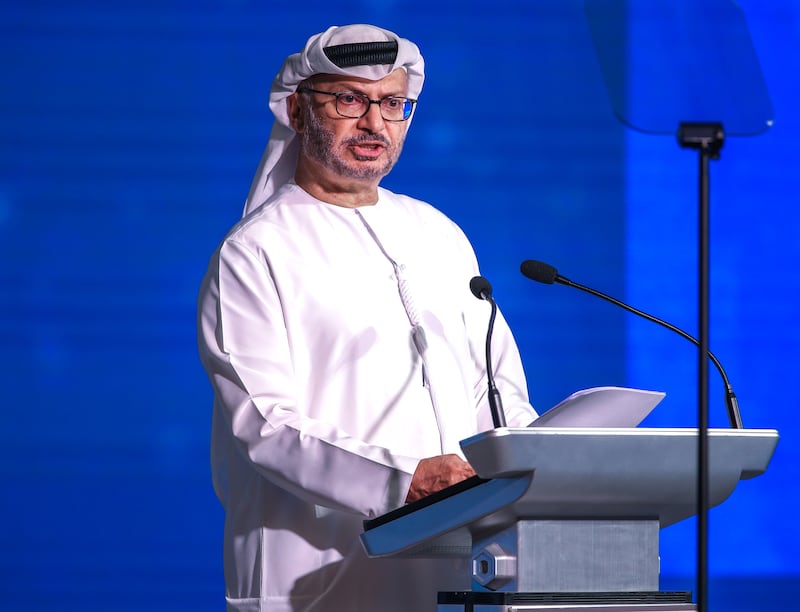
(568, 518)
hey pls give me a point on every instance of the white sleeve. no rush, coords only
(246, 351)
(509, 375)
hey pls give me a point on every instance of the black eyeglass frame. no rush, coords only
(337, 94)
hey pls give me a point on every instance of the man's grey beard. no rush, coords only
(318, 144)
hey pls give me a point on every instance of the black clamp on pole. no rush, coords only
(707, 137)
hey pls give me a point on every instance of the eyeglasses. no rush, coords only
(354, 105)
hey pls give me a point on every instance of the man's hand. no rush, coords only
(436, 473)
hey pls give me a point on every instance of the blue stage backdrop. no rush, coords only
(129, 132)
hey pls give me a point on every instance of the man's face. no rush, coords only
(363, 148)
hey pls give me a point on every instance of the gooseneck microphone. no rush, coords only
(482, 289)
(545, 273)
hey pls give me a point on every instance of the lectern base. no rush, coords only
(478, 601)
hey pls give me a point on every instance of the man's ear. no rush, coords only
(295, 112)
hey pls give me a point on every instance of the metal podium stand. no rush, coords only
(568, 518)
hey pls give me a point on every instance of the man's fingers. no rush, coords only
(436, 473)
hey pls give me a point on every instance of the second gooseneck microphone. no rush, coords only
(545, 273)
(482, 289)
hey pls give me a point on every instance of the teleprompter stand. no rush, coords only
(707, 139)
(567, 518)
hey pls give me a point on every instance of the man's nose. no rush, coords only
(373, 120)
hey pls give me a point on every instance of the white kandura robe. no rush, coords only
(343, 346)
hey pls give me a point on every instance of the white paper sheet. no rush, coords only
(601, 407)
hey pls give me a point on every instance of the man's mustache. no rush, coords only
(368, 139)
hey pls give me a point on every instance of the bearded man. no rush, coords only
(343, 343)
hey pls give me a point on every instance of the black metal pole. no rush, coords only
(702, 387)
(708, 139)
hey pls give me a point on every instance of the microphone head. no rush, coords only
(480, 287)
(539, 271)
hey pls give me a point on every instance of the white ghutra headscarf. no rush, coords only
(359, 50)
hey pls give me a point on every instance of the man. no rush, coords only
(343, 343)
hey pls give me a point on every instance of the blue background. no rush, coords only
(129, 132)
